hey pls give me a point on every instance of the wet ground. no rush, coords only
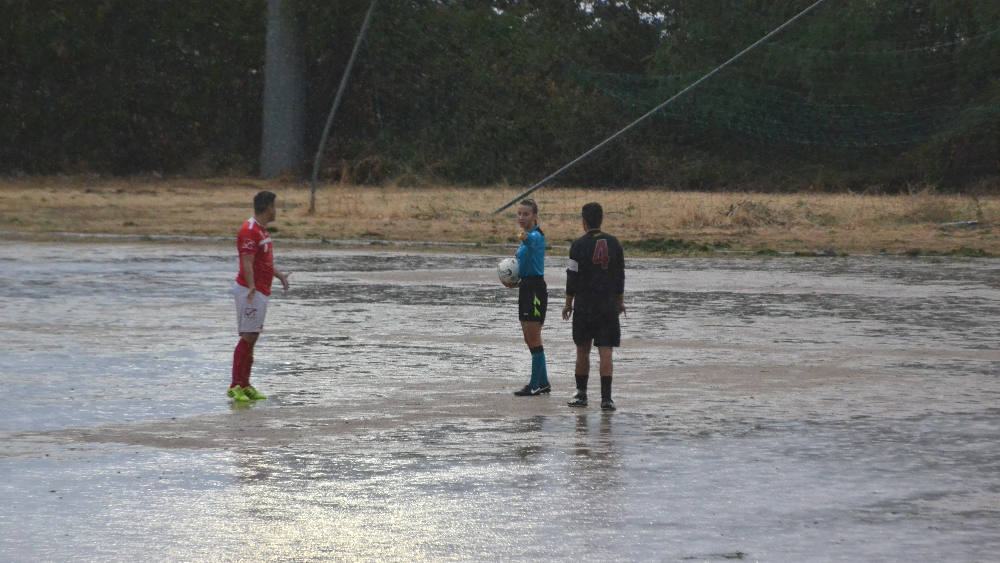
(799, 409)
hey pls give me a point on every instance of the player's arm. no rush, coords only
(620, 278)
(572, 273)
(283, 278)
(246, 261)
(567, 311)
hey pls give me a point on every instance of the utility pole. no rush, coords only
(283, 135)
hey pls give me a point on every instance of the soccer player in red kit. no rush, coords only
(252, 291)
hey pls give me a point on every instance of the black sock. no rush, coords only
(606, 387)
(581, 383)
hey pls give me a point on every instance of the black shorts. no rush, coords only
(532, 299)
(598, 326)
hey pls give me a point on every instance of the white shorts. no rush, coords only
(249, 315)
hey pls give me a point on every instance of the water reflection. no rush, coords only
(779, 409)
(596, 462)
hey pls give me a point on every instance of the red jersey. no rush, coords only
(255, 240)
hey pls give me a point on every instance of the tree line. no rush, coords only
(860, 94)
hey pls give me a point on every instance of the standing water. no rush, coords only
(834, 409)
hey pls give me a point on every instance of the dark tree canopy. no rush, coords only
(860, 94)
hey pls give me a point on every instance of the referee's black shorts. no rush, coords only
(597, 325)
(532, 299)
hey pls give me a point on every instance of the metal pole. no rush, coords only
(336, 103)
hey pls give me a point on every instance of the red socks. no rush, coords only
(242, 362)
(247, 364)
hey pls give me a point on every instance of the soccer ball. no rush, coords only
(507, 270)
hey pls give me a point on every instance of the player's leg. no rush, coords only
(532, 306)
(242, 362)
(235, 390)
(250, 316)
(250, 340)
(583, 359)
(582, 372)
(539, 382)
(607, 367)
(241, 356)
(609, 336)
(249, 390)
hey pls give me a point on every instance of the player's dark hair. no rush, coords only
(262, 201)
(593, 214)
(530, 203)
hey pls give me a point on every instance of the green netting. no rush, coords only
(856, 93)
(845, 98)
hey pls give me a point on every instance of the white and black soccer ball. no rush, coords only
(508, 271)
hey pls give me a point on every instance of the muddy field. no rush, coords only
(783, 409)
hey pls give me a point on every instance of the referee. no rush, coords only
(595, 291)
(533, 296)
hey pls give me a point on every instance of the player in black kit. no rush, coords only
(595, 296)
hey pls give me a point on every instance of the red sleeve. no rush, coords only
(246, 241)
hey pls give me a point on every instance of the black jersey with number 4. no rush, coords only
(596, 272)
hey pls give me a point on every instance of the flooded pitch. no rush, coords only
(832, 409)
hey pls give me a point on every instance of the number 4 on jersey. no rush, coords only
(601, 255)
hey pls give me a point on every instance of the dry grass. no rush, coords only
(841, 223)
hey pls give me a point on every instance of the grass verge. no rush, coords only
(655, 222)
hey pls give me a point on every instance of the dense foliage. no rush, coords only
(859, 94)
